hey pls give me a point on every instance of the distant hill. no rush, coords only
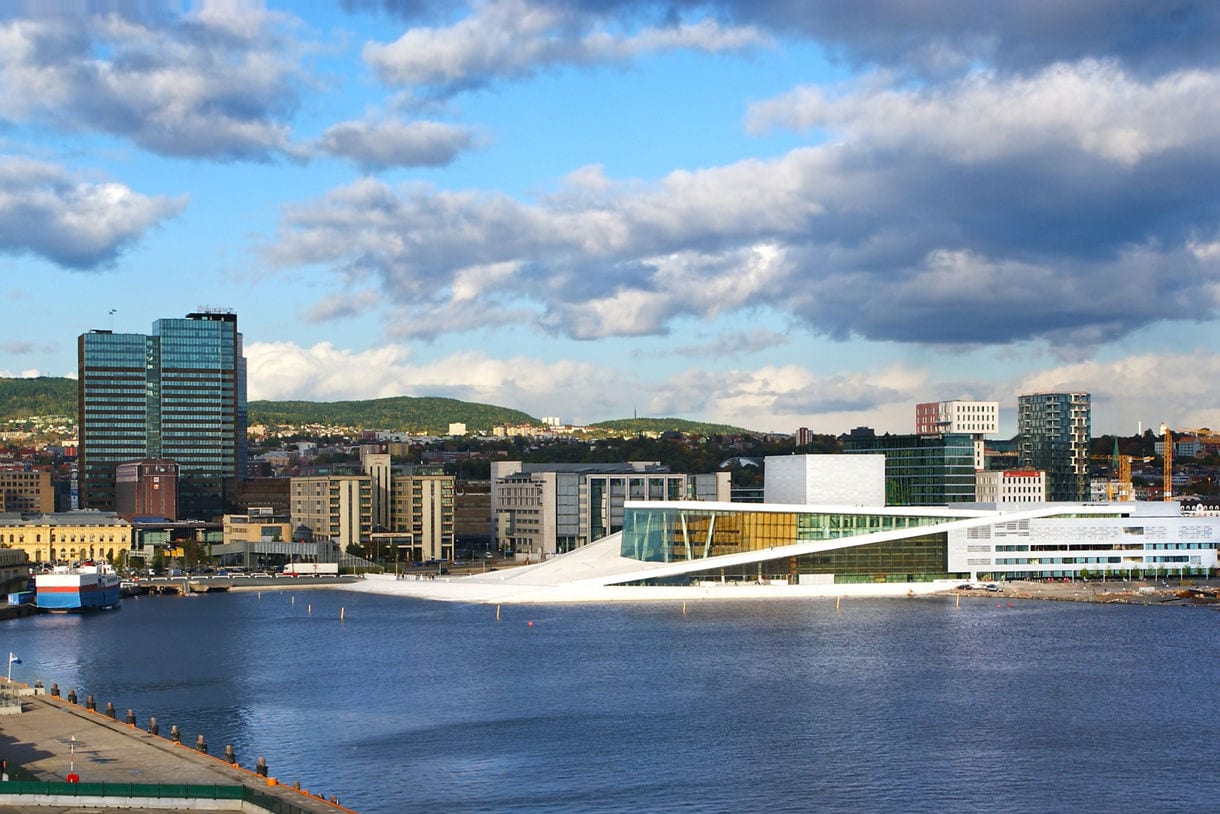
(22, 398)
(400, 413)
(630, 425)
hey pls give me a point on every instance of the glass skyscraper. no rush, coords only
(177, 394)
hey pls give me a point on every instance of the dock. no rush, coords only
(73, 758)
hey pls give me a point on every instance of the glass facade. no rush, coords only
(177, 394)
(680, 534)
(923, 470)
(922, 558)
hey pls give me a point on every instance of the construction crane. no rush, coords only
(1168, 458)
(1120, 488)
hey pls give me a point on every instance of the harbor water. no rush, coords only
(400, 705)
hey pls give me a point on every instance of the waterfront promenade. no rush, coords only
(51, 738)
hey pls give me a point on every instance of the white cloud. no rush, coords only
(323, 372)
(76, 223)
(1175, 388)
(380, 145)
(1095, 108)
(911, 227)
(218, 82)
(516, 38)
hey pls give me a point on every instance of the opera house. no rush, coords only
(683, 550)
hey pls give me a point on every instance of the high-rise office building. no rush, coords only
(1054, 430)
(975, 418)
(177, 394)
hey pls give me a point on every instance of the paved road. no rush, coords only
(51, 737)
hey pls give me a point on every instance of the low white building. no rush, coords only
(1010, 486)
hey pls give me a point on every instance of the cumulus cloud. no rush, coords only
(776, 398)
(72, 222)
(779, 398)
(516, 38)
(1094, 108)
(929, 39)
(1013, 35)
(1145, 389)
(375, 146)
(971, 213)
(218, 82)
(324, 372)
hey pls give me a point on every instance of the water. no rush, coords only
(898, 705)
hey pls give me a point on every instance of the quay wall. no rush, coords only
(54, 740)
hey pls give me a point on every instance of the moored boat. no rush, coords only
(83, 587)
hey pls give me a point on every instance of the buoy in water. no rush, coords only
(530, 623)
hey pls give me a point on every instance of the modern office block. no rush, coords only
(975, 418)
(922, 470)
(177, 394)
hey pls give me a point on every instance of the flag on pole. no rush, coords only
(12, 659)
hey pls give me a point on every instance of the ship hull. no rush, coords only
(62, 593)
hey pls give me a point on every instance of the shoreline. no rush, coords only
(1138, 592)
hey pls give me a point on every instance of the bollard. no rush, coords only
(71, 696)
(261, 768)
(230, 756)
(174, 734)
(38, 686)
(55, 690)
(131, 717)
(297, 785)
(110, 709)
(153, 729)
(201, 745)
(90, 704)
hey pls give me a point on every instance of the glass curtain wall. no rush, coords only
(677, 535)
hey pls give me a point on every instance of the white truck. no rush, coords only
(311, 569)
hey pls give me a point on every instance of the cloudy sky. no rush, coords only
(769, 214)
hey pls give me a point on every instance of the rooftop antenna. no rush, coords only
(113, 311)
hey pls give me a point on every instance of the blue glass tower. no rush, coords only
(178, 394)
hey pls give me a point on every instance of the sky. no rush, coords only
(767, 214)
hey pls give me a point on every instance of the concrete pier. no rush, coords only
(52, 738)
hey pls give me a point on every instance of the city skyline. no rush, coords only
(761, 214)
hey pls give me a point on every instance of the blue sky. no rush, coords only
(772, 215)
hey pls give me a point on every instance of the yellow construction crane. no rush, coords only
(1120, 487)
(1168, 458)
